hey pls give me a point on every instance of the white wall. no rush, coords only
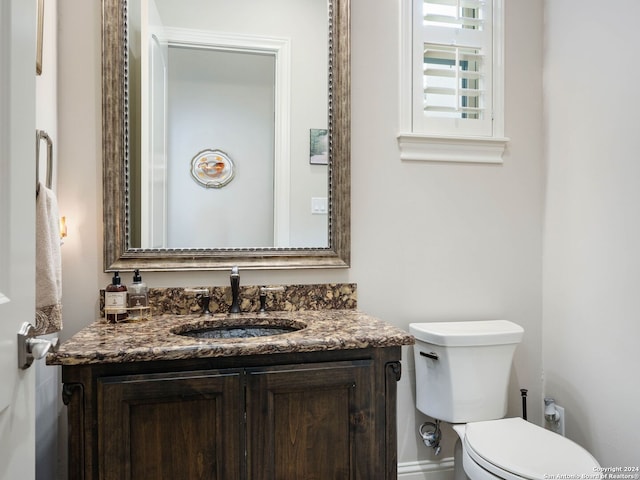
(440, 241)
(429, 241)
(592, 224)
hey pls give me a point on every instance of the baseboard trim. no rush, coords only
(426, 470)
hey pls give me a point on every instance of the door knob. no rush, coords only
(30, 347)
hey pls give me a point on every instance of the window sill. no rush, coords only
(418, 147)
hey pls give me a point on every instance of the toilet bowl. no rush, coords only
(462, 377)
(514, 449)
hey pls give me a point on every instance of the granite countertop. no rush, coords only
(154, 339)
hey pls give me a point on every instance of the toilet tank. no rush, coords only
(463, 368)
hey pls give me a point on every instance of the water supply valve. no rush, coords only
(432, 437)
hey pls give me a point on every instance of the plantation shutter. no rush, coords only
(453, 89)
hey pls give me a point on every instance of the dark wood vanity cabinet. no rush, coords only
(170, 426)
(311, 421)
(321, 415)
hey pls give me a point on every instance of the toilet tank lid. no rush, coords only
(459, 334)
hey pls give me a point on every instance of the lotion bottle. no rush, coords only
(115, 300)
(138, 295)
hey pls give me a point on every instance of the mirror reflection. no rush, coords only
(131, 133)
(228, 118)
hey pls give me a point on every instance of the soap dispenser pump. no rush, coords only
(115, 300)
(138, 295)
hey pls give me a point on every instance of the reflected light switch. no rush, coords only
(319, 205)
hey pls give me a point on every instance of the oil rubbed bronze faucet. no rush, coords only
(235, 291)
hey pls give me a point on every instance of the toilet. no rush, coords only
(462, 378)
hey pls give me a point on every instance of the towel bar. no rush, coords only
(42, 135)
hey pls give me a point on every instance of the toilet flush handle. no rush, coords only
(431, 355)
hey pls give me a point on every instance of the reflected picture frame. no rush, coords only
(319, 146)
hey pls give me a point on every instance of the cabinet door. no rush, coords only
(171, 426)
(313, 421)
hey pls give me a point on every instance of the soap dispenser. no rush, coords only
(115, 300)
(138, 295)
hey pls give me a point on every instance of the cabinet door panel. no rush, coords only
(311, 422)
(169, 426)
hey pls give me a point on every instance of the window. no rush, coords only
(452, 86)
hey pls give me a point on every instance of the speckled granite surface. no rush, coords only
(180, 301)
(154, 339)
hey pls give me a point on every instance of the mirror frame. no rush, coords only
(115, 152)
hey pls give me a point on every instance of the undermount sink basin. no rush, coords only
(238, 328)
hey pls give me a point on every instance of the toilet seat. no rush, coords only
(515, 449)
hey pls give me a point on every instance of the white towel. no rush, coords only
(48, 264)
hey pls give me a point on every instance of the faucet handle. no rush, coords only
(264, 290)
(203, 296)
(197, 291)
(263, 295)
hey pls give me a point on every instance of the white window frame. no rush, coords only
(446, 147)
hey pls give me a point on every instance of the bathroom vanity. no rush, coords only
(146, 401)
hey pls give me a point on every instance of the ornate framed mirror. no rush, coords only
(123, 247)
